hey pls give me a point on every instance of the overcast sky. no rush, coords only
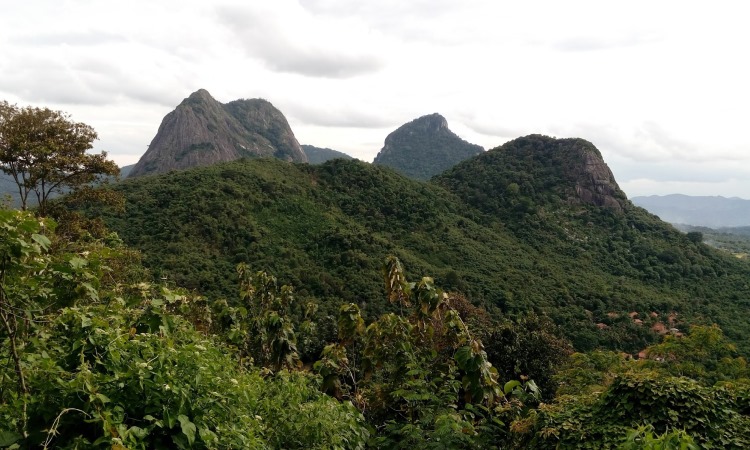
(660, 87)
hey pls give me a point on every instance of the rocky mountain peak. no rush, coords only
(202, 131)
(424, 147)
(200, 94)
(432, 123)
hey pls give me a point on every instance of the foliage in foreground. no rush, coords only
(715, 417)
(107, 364)
(122, 368)
(691, 388)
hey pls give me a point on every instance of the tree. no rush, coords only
(46, 153)
(704, 354)
(695, 237)
(421, 377)
(531, 347)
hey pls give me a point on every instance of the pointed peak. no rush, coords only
(200, 95)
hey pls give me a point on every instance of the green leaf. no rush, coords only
(137, 432)
(118, 413)
(534, 389)
(169, 419)
(463, 357)
(42, 240)
(188, 428)
(207, 435)
(510, 385)
(8, 438)
(77, 262)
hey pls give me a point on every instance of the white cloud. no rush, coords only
(659, 87)
(289, 39)
(347, 117)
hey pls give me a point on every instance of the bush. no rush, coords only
(119, 377)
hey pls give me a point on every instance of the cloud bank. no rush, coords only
(659, 88)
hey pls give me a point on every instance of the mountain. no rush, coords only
(125, 170)
(201, 131)
(318, 155)
(704, 211)
(424, 147)
(536, 172)
(538, 224)
(9, 190)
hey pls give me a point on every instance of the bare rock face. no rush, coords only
(202, 131)
(594, 182)
(424, 147)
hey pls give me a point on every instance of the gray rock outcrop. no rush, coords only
(202, 131)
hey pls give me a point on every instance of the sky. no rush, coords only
(661, 88)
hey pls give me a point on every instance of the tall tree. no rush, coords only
(46, 152)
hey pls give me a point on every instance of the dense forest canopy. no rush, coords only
(323, 228)
(108, 360)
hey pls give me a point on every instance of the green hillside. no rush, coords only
(507, 228)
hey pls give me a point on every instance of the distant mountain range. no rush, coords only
(704, 211)
(424, 148)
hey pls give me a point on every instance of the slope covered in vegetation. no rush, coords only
(106, 360)
(525, 227)
(98, 356)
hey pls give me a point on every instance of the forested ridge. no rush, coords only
(265, 304)
(323, 229)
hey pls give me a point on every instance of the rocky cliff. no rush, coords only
(424, 147)
(202, 131)
(594, 182)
